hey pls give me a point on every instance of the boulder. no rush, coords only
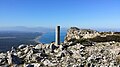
(26, 50)
(61, 47)
(12, 59)
(22, 46)
(9, 58)
(39, 46)
(2, 58)
(37, 65)
(52, 47)
(76, 54)
(90, 58)
(2, 55)
(16, 60)
(19, 53)
(2, 61)
(29, 55)
(48, 63)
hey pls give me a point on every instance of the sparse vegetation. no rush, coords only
(108, 38)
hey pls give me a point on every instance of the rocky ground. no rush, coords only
(76, 51)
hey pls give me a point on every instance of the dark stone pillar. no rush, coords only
(58, 35)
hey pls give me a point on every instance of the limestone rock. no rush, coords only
(48, 63)
(22, 46)
(9, 58)
(12, 59)
(53, 47)
(2, 55)
(39, 46)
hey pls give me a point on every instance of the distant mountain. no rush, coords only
(26, 29)
(30, 29)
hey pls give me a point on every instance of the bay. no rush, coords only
(50, 37)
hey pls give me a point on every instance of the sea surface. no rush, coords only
(9, 39)
(50, 37)
(14, 39)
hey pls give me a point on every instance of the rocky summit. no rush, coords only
(81, 48)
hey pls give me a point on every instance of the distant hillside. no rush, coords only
(30, 29)
(26, 29)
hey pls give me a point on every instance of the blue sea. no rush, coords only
(50, 37)
(7, 44)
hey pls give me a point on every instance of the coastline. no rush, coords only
(37, 39)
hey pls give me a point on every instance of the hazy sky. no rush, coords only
(67, 13)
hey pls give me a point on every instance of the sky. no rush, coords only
(66, 13)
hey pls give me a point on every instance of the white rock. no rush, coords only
(2, 61)
(38, 46)
(60, 47)
(29, 55)
(26, 50)
(81, 46)
(36, 64)
(91, 57)
(48, 63)
(22, 46)
(2, 55)
(9, 58)
(56, 50)
(47, 46)
(20, 54)
(62, 53)
(32, 65)
(76, 53)
(112, 63)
